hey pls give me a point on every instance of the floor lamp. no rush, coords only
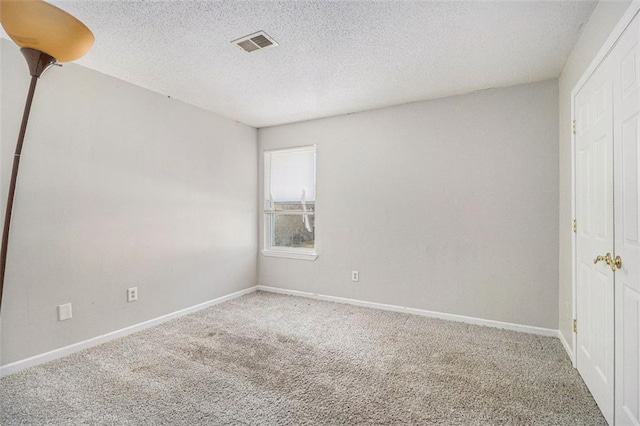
(46, 35)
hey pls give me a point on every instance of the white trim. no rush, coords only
(449, 317)
(289, 150)
(14, 367)
(566, 345)
(290, 212)
(624, 22)
(607, 45)
(290, 254)
(574, 236)
(17, 366)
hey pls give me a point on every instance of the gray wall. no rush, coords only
(448, 205)
(118, 187)
(604, 18)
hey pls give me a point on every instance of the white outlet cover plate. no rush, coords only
(64, 312)
(132, 294)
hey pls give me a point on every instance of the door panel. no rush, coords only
(594, 215)
(626, 103)
(629, 404)
(608, 215)
(630, 180)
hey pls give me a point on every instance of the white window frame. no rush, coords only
(268, 212)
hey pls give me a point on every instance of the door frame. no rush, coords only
(624, 22)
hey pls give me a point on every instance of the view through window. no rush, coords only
(290, 193)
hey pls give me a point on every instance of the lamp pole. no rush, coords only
(38, 63)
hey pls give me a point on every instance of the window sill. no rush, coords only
(290, 254)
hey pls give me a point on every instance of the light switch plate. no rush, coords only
(64, 312)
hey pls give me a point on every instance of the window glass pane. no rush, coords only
(293, 230)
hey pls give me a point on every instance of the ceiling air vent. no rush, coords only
(255, 41)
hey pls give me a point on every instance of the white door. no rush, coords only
(625, 61)
(594, 215)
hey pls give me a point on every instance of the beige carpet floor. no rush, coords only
(273, 359)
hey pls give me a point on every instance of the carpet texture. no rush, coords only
(274, 359)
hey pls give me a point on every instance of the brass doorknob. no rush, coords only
(600, 258)
(614, 264)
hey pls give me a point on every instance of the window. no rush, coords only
(290, 202)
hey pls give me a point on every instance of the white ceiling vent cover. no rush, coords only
(255, 41)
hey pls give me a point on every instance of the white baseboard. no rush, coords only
(14, 367)
(567, 346)
(431, 314)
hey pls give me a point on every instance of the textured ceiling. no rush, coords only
(334, 57)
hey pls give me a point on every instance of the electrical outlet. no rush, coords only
(132, 294)
(355, 276)
(64, 312)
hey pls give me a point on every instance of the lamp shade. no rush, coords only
(38, 25)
